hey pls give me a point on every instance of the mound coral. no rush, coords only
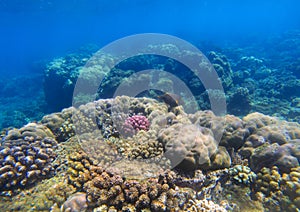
(189, 147)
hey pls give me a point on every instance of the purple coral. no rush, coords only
(134, 124)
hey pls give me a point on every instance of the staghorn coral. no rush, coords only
(25, 156)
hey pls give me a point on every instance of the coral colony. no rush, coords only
(134, 124)
(47, 157)
(74, 161)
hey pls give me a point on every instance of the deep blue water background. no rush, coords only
(34, 32)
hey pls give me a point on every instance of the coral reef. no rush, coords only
(242, 174)
(187, 146)
(191, 147)
(60, 124)
(222, 67)
(239, 96)
(272, 142)
(134, 124)
(278, 192)
(61, 75)
(218, 162)
(203, 205)
(26, 155)
(21, 99)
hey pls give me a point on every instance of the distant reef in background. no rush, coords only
(263, 77)
(259, 77)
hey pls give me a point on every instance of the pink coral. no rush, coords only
(134, 124)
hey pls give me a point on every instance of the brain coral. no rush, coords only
(188, 146)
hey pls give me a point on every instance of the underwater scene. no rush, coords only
(148, 105)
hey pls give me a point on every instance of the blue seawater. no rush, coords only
(35, 32)
(195, 148)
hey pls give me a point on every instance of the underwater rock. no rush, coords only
(220, 159)
(269, 155)
(230, 130)
(61, 124)
(235, 133)
(272, 142)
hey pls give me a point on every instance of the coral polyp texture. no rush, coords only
(81, 159)
(134, 124)
(26, 156)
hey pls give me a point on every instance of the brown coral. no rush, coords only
(187, 146)
(26, 155)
